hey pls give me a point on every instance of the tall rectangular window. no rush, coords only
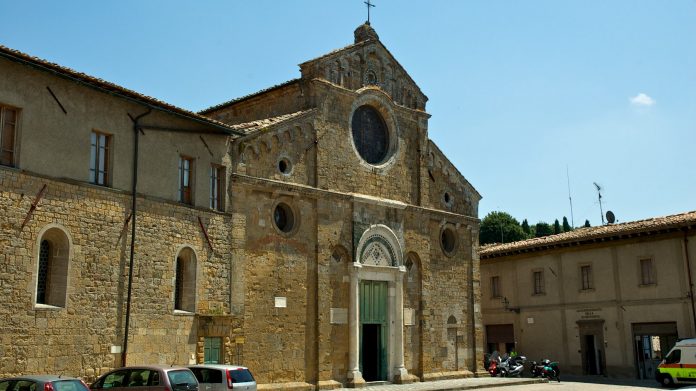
(185, 179)
(8, 134)
(538, 277)
(495, 287)
(100, 151)
(217, 187)
(586, 277)
(647, 274)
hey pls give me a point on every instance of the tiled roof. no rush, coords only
(589, 235)
(241, 98)
(254, 126)
(103, 85)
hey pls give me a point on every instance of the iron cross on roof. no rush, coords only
(369, 5)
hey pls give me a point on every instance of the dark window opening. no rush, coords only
(370, 135)
(283, 217)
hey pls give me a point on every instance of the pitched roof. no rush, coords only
(252, 127)
(589, 235)
(245, 97)
(108, 87)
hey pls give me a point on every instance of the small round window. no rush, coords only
(284, 217)
(448, 240)
(284, 166)
(370, 134)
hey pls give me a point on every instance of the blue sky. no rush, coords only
(519, 91)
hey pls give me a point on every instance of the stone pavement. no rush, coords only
(453, 384)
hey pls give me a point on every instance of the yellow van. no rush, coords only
(679, 366)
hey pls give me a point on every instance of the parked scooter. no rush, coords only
(546, 368)
(512, 366)
(493, 364)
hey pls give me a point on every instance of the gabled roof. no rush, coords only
(108, 87)
(590, 235)
(252, 127)
(245, 97)
(461, 176)
(365, 43)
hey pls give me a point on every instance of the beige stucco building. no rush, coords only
(608, 300)
(311, 231)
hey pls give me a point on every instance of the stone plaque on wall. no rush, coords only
(339, 316)
(409, 316)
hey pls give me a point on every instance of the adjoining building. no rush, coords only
(311, 231)
(608, 300)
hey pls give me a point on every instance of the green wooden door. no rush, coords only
(373, 330)
(212, 350)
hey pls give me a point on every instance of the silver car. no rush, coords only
(42, 383)
(147, 378)
(216, 377)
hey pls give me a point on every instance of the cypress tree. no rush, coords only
(566, 226)
(556, 227)
(587, 223)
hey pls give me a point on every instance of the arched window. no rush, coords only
(52, 268)
(185, 281)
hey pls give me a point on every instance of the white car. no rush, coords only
(218, 377)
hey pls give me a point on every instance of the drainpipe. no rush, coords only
(688, 273)
(136, 133)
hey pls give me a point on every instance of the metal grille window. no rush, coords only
(99, 159)
(217, 187)
(538, 282)
(586, 277)
(42, 280)
(370, 135)
(495, 286)
(185, 177)
(179, 284)
(8, 133)
(646, 271)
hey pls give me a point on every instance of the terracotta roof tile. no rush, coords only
(257, 125)
(241, 98)
(592, 234)
(16, 55)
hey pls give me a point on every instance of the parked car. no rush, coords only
(147, 378)
(42, 383)
(216, 377)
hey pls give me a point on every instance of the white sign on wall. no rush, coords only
(281, 302)
(409, 316)
(339, 315)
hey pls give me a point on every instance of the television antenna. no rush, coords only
(572, 221)
(599, 196)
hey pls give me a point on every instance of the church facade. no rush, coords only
(311, 231)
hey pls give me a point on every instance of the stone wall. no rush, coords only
(76, 340)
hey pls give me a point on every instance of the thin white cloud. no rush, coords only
(642, 99)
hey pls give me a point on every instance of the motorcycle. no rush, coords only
(493, 365)
(547, 369)
(512, 366)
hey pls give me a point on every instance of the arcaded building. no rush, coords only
(311, 231)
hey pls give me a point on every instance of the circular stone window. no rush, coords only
(448, 240)
(284, 166)
(370, 135)
(284, 217)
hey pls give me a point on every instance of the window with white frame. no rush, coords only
(217, 187)
(100, 155)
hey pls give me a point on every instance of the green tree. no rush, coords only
(566, 226)
(525, 228)
(543, 229)
(500, 227)
(587, 223)
(556, 227)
